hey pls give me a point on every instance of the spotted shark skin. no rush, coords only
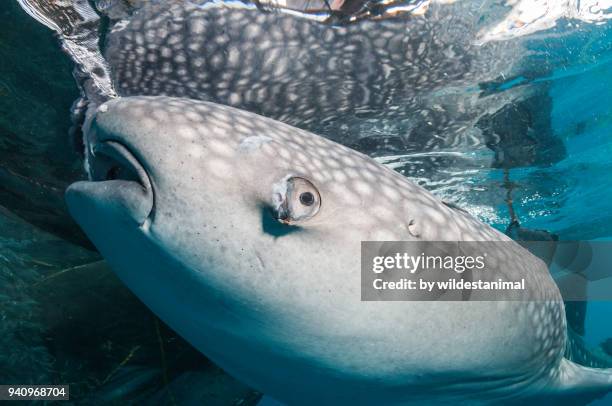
(333, 80)
(189, 233)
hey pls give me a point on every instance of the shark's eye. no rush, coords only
(307, 199)
(299, 201)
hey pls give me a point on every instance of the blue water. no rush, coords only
(578, 203)
(587, 211)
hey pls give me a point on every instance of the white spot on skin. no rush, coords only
(351, 173)
(340, 176)
(195, 150)
(187, 132)
(234, 99)
(198, 62)
(233, 57)
(362, 187)
(390, 193)
(252, 143)
(193, 116)
(197, 27)
(103, 108)
(219, 168)
(221, 148)
(284, 154)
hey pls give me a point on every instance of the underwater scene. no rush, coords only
(173, 232)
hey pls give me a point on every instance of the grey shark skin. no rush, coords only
(197, 228)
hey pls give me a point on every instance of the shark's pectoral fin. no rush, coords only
(584, 375)
(575, 384)
(579, 352)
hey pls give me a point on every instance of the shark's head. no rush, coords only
(244, 233)
(228, 194)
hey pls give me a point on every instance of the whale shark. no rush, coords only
(381, 86)
(243, 234)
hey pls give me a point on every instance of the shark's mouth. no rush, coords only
(115, 168)
(113, 161)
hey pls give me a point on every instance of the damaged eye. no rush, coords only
(296, 199)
